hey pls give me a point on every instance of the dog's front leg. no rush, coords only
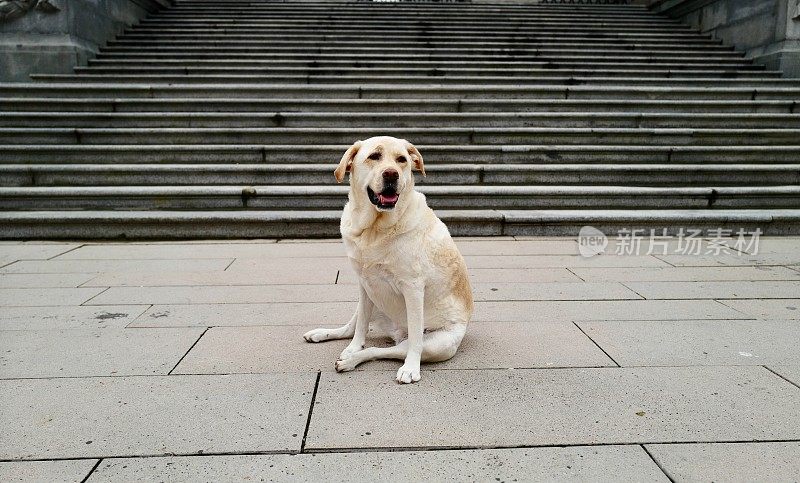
(363, 314)
(415, 302)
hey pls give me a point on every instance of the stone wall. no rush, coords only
(56, 42)
(768, 31)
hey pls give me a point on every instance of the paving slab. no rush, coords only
(53, 471)
(774, 461)
(209, 250)
(287, 276)
(697, 342)
(717, 290)
(277, 267)
(39, 297)
(95, 266)
(226, 294)
(684, 274)
(788, 244)
(57, 318)
(791, 373)
(565, 246)
(552, 291)
(582, 463)
(555, 407)
(93, 352)
(501, 345)
(732, 259)
(478, 275)
(43, 280)
(155, 415)
(605, 310)
(767, 308)
(11, 253)
(561, 261)
(207, 315)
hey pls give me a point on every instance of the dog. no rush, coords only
(413, 281)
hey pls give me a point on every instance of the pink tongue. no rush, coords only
(387, 199)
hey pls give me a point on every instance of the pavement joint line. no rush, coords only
(782, 377)
(92, 470)
(229, 265)
(595, 343)
(64, 253)
(662, 260)
(579, 277)
(637, 293)
(9, 263)
(336, 282)
(399, 449)
(189, 350)
(310, 412)
(144, 311)
(93, 296)
(722, 302)
(666, 473)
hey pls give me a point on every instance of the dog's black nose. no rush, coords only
(391, 175)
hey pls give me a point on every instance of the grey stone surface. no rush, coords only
(49, 280)
(717, 290)
(486, 275)
(562, 246)
(225, 294)
(37, 297)
(207, 315)
(732, 259)
(791, 373)
(313, 275)
(560, 261)
(487, 345)
(157, 415)
(93, 352)
(58, 318)
(626, 463)
(268, 249)
(605, 310)
(91, 266)
(695, 343)
(295, 268)
(684, 274)
(552, 291)
(776, 461)
(11, 253)
(555, 407)
(767, 308)
(67, 471)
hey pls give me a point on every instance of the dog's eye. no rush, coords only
(402, 159)
(375, 156)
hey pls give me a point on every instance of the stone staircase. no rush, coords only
(225, 118)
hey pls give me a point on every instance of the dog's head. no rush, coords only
(380, 167)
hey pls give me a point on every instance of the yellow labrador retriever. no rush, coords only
(412, 279)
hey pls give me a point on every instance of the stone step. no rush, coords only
(20, 175)
(310, 197)
(268, 104)
(309, 154)
(615, 75)
(398, 119)
(87, 76)
(169, 224)
(389, 19)
(395, 91)
(476, 136)
(547, 23)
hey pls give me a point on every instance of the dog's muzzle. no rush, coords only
(386, 199)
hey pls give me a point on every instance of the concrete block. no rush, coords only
(697, 342)
(612, 405)
(207, 250)
(487, 345)
(684, 274)
(157, 415)
(224, 294)
(12, 253)
(486, 275)
(93, 352)
(276, 276)
(552, 291)
(41, 297)
(766, 308)
(206, 315)
(732, 259)
(59, 318)
(766, 289)
(74, 471)
(769, 461)
(628, 463)
(93, 266)
(43, 280)
(561, 261)
(527, 247)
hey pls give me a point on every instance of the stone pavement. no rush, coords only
(185, 361)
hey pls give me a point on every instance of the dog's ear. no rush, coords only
(347, 161)
(416, 157)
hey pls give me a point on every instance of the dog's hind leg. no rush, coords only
(437, 346)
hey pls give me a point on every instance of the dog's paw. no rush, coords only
(346, 365)
(349, 351)
(316, 335)
(408, 374)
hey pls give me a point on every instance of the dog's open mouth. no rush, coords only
(385, 199)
